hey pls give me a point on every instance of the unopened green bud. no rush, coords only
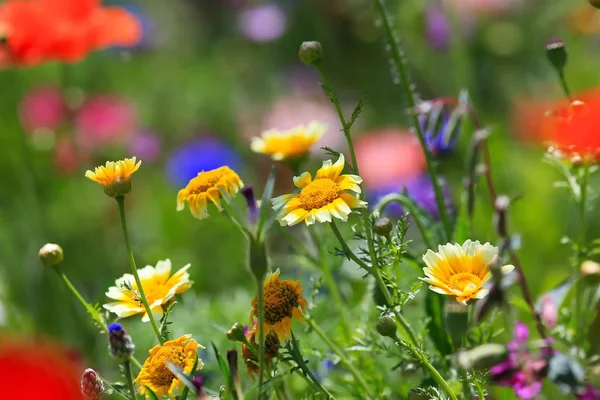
(482, 357)
(456, 319)
(386, 326)
(51, 255)
(310, 52)
(257, 258)
(236, 333)
(383, 226)
(556, 52)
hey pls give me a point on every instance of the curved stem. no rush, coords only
(121, 203)
(410, 98)
(261, 334)
(343, 356)
(129, 378)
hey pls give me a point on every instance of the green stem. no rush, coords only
(480, 393)
(121, 203)
(434, 372)
(563, 84)
(380, 283)
(583, 187)
(307, 373)
(343, 357)
(410, 98)
(261, 335)
(129, 378)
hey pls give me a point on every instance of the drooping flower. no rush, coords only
(522, 370)
(71, 29)
(158, 284)
(34, 370)
(216, 185)
(92, 386)
(272, 345)
(157, 376)
(197, 155)
(283, 301)
(115, 176)
(293, 143)
(461, 271)
(330, 194)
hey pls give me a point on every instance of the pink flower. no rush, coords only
(589, 393)
(549, 312)
(262, 23)
(42, 108)
(103, 120)
(145, 145)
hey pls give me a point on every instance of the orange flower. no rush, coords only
(272, 345)
(37, 31)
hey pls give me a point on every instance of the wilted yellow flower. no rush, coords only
(214, 185)
(115, 176)
(272, 345)
(295, 142)
(461, 271)
(156, 375)
(283, 300)
(158, 287)
(329, 194)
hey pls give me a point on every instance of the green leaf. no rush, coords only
(355, 114)
(265, 203)
(151, 394)
(222, 363)
(434, 306)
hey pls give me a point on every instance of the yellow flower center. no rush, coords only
(158, 370)
(207, 180)
(280, 300)
(462, 280)
(318, 193)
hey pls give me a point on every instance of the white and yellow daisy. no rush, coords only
(296, 142)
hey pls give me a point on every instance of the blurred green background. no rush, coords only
(222, 71)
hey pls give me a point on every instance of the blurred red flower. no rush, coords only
(573, 127)
(65, 30)
(38, 370)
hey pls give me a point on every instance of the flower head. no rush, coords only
(71, 29)
(157, 376)
(461, 271)
(283, 300)
(119, 342)
(293, 143)
(158, 287)
(115, 176)
(272, 345)
(214, 185)
(92, 385)
(329, 194)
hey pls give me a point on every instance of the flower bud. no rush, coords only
(92, 386)
(557, 53)
(236, 333)
(310, 52)
(386, 326)
(481, 357)
(549, 313)
(248, 193)
(232, 361)
(119, 342)
(595, 3)
(383, 226)
(456, 319)
(257, 258)
(51, 255)
(590, 268)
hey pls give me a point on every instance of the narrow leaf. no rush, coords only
(265, 202)
(434, 306)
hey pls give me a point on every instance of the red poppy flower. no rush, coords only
(65, 30)
(31, 370)
(572, 127)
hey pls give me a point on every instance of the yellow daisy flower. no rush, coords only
(329, 194)
(156, 375)
(158, 287)
(283, 300)
(272, 345)
(115, 176)
(293, 143)
(214, 185)
(461, 271)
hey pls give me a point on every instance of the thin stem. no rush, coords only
(434, 372)
(410, 98)
(129, 378)
(578, 314)
(261, 334)
(343, 357)
(296, 353)
(563, 84)
(79, 297)
(121, 203)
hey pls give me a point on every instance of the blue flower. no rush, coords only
(199, 155)
(439, 137)
(119, 342)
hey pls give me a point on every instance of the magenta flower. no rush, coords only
(589, 393)
(522, 370)
(42, 108)
(103, 120)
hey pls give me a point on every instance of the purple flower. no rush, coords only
(589, 393)
(145, 145)
(199, 155)
(263, 23)
(439, 138)
(437, 26)
(522, 370)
